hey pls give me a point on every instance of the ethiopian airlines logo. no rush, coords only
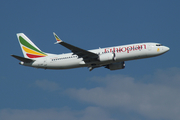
(57, 38)
(125, 49)
(31, 51)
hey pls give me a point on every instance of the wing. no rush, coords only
(81, 53)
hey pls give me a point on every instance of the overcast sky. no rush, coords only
(146, 89)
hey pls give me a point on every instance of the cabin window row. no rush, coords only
(63, 58)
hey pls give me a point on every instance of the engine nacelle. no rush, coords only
(116, 66)
(107, 57)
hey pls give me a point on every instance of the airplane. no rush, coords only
(112, 58)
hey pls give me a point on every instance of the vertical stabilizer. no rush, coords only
(29, 49)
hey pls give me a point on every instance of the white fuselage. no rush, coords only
(121, 53)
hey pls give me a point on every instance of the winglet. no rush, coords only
(57, 38)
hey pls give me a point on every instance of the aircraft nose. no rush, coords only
(166, 49)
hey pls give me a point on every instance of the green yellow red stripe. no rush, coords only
(27, 50)
(28, 45)
(57, 38)
(33, 56)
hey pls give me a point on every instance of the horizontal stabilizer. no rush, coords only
(27, 60)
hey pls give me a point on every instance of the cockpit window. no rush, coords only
(158, 45)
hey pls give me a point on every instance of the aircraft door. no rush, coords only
(149, 47)
(45, 62)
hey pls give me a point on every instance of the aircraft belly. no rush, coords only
(131, 55)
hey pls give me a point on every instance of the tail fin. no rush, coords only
(30, 50)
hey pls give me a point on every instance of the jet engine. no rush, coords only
(116, 66)
(107, 57)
